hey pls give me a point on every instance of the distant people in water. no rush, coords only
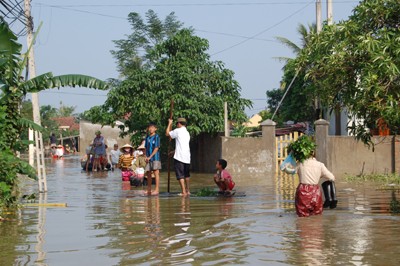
(125, 162)
(53, 140)
(99, 150)
(59, 151)
(223, 178)
(114, 156)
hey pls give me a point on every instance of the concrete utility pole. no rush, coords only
(35, 104)
(329, 12)
(226, 124)
(318, 15)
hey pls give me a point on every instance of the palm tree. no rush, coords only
(304, 37)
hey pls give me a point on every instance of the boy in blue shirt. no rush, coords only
(152, 144)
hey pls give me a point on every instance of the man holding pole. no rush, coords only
(182, 153)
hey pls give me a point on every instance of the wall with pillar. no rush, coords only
(344, 155)
(245, 156)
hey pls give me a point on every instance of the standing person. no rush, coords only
(138, 166)
(182, 153)
(152, 145)
(53, 140)
(125, 162)
(114, 156)
(99, 150)
(308, 199)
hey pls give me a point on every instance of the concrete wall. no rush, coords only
(205, 151)
(247, 156)
(347, 156)
(111, 135)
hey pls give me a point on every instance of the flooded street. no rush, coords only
(107, 223)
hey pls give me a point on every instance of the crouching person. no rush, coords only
(223, 179)
(308, 197)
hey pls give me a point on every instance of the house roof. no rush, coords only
(67, 122)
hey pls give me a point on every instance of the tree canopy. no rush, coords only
(298, 104)
(134, 52)
(183, 72)
(355, 64)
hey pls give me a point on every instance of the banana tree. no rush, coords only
(12, 90)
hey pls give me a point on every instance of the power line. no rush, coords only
(194, 4)
(263, 31)
(117, 17)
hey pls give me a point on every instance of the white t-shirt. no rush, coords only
(115, 156)
(182, 149)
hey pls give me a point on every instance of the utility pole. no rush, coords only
(38, 149)
(226, 124)
(318, 15)
(329, 12)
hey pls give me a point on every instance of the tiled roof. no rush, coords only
(67, 121)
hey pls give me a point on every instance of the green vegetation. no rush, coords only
(206, 192)
(383, 179)
(180, 70)
(355, 65)
(303, 148)
(12, 123)
(298, 104)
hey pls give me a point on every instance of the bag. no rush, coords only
(140, 172)
(289, 165)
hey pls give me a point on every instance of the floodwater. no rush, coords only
(107, 223)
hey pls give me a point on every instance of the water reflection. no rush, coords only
(108, 223)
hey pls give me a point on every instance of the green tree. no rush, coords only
(183, 72)
(12, 124)
(298, 104)
(355, 64)
(134, 52)
(65, 111)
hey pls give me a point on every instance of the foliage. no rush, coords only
(183, 72)
(134, 52)
(379, 178)
(206, 192)
(298, 104)
(12, 124)
(303, 148)
(355, 64)
(239, 131)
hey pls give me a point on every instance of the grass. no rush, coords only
(384, 179)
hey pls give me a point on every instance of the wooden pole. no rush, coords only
(226, 125)
(171, 109)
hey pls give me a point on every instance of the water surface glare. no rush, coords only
(108, 223)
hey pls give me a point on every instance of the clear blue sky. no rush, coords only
(76, 37)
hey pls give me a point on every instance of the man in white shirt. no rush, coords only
(182, 153)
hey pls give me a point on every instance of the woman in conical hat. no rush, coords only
(125, 161)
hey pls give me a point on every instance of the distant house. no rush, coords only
(68, 131)
(254, 121)
(67, 123)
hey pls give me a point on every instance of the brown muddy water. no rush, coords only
(107, 223)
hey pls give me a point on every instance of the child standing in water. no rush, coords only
(308, 197)
(125, 162)
(152, 145)
(223, 179)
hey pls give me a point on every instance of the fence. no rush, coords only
(281, 143)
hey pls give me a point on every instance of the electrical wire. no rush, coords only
(265, 30)
(195, 4)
